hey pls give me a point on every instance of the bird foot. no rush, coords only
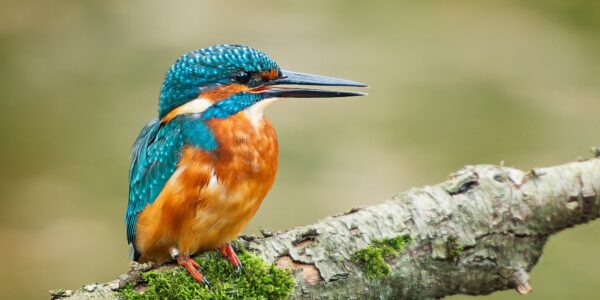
(228, 253)
(192, 267)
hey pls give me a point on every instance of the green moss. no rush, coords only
(257, 280)
(373, 258)
(453, 249)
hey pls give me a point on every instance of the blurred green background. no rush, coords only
(451, 83)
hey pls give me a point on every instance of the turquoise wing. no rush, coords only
(154, 158)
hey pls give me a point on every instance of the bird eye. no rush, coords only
(243, 77)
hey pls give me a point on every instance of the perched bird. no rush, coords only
(201, 169)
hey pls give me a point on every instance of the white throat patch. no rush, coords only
(255, 112)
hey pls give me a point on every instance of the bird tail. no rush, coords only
(133, 253)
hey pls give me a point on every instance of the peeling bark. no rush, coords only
(481, 231)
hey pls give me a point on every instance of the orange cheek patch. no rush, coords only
(269, 75)
(223, 92)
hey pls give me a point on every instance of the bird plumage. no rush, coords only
(203, 69)
(155, 156)
(212, 194)
(201, 170)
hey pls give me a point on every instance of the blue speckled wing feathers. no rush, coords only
(154, 158)
(155, 155)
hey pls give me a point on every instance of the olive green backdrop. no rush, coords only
(451, 83)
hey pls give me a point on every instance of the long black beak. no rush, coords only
(294, 78)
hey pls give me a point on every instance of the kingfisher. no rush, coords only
(200, 171)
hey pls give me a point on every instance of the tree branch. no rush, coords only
(481, 231)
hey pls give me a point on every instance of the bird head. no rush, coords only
(225, 79)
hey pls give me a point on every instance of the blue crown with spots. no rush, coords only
(205, 68)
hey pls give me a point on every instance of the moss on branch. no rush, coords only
(258, 280)
(373, 257)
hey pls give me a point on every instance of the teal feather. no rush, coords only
(155, 156)
(205, 68)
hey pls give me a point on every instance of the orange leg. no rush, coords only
(192, 267)
(196, 265)
(228, 253)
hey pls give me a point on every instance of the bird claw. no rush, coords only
(206, 283)
(227, 252)
(192, 267)
(196, 265)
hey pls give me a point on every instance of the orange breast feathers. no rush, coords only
(212, 195)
